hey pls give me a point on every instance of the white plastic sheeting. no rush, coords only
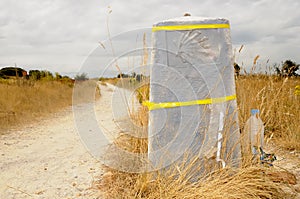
(192, 60)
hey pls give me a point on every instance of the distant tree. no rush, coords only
(66, 77)
(122, 75)
(139, 77)
(40, 75)
(34, 74)
(288, 68)
(81, 77)
(133, 74)
(277, 69)
(237, 69)
(57, 76)
(47, 75)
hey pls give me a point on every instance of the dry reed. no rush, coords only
(279, 107)
(24, 101)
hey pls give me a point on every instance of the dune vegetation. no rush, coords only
(278, 102)
(25, 101)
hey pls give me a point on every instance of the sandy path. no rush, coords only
(48, 159)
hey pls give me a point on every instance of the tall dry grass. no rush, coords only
(251, 182)
(279, 107)
(25, 101)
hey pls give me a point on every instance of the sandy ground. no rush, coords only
(288, 161)
(49, 160)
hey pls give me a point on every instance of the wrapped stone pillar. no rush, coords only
(192, 94)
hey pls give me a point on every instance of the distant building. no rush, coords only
(9, 72)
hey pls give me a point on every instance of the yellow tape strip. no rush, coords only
(189, 27)
(154, 106)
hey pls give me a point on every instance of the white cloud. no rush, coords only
(60, 33)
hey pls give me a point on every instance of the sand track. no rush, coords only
(48, 160)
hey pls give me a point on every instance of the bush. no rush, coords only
(288, 68)
(81, 77)
(34, 74)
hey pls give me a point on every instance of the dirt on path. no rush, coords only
(48, 159)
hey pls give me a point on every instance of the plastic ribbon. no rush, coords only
(190, 27)
(154, 106)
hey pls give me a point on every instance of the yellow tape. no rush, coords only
(189, 27)
(154, 106)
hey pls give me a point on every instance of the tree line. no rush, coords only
(285, 69)
(16, 72)
(137, 77)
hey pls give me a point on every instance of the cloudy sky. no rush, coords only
(59, 35)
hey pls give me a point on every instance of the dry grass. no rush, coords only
(24, 101)
(245, 183)
(279, 107)
(229, 183)
(280, 112)
(112, 81)
(85, 92)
